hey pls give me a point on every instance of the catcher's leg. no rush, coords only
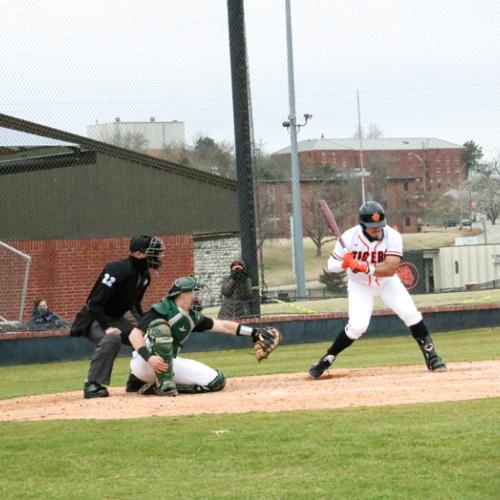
(194, 377)
(161, 344)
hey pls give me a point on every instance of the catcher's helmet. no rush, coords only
(153, 248)
(184, 284)
(371, 214)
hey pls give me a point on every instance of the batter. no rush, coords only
(371, 257)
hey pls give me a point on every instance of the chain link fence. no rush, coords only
(136, 136)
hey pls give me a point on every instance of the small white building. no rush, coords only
(463, 266)
(156, 135)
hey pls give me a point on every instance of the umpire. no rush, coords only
(119, 288)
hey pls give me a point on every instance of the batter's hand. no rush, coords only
(158, 364)
(358, 266)
(347, 260)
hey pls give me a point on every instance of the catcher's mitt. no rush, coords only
(266, 340)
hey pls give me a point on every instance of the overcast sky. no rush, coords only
(424, 68)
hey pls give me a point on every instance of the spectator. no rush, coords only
(42, 318)
(237, 294)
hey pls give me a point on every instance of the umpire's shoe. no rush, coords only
(94, 390)
(323, 364)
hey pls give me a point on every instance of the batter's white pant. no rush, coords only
(393, 294)
(186, 371)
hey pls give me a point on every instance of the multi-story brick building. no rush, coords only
(399, 172)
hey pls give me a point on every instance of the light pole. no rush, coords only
(291, 124)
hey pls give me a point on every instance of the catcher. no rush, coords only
(156, 367)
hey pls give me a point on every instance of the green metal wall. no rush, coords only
(112, 197)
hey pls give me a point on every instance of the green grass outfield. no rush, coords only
(442, 450)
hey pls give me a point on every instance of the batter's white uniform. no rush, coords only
(362, 288)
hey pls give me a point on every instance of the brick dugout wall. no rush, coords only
(64, 271)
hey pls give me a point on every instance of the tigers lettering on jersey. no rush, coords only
(365, 250)
(373, 257)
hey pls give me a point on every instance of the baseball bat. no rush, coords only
(330, 220)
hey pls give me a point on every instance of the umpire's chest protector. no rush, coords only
(181, 322)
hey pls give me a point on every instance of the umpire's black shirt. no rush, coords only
(119, 288)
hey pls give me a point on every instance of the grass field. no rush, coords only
(445, 450)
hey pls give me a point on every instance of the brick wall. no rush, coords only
(64, 271)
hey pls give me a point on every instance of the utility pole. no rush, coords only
(298, 244)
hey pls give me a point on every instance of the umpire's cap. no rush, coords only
(140, 243)
(372, 214)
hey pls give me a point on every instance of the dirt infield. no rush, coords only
(342, 388)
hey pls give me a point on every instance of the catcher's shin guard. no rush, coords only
(161, 343)
(217, 384)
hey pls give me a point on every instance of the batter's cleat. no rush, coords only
(435, 363)
(94, 390)
(432, 360)
(323, 364)
(134, 384)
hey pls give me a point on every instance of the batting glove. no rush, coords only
(361, 267)
(347, 260)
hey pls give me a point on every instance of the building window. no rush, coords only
(405, 186)
(407, 221)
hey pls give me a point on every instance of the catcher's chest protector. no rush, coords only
(181, 323)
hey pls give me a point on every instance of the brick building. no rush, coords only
(399, 172)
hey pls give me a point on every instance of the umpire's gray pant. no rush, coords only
(108, 346)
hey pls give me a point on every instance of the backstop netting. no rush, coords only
(14, 273)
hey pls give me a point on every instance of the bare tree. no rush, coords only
(176, 154)
(342, 197)
(130, 140)
(486, 184)
(374, 132)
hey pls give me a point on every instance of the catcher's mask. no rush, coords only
(372, 214)
(153, 248)
(187, 284)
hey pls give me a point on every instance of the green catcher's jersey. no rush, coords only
(181, 322)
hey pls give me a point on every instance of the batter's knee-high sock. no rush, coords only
(419, 332)
(341, 342)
